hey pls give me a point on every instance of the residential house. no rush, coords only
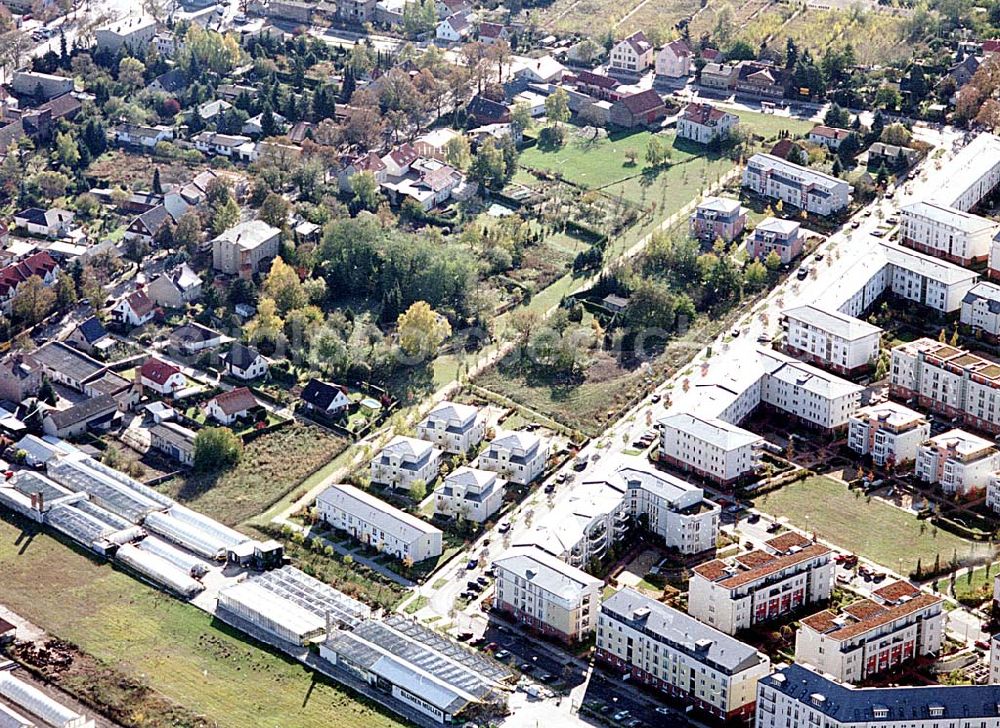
(226, 145)
(896, 624)
(926, 280)
(808, 394)
(404, 461)
(889, 432)
(828, 136)
(76, 420)
(830, 339)
(90, 337)
(176, 288)
(633, 54)
(170, 83)
(704, 123)
(492, 33)
(674, 60)
(228, 407)
(642, 109)
(131, 34)
(148, 226)
(754, 78)
(597, 86)
(454, 28)
(41, 265)
(718, 218)
(517, 456)
(960, 462)
(369, 162)
(375, 523)
(455, 428)
(324, 398)
(547, 594)
(483, 111)
(246, 363)
(474, 495)
(892, 156)
(245, 246)
(788, 573)
(775, 234)
(20, 377)
(356, 11)
(718, 76)
(663, 648)
(147, 137)
(192, 338)
(52, 223)
(805, 188)
(161, 377)
(174, 440)
(434, 143)
(41, 86)
(135, 309)
(713, 449)
(399, 160)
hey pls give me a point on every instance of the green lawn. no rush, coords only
(172, 646)
(972, 591)
(272, 466)
(885, 534)
(768, 125)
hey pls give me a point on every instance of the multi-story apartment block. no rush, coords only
(926, 280)
(789, 573)
(711, 448)
(704, 123)
(549, 595)
(897, 623)
(960, 462)
(797, 696)
(517, 456)
(633, 54)
(378, 524)
(472, 494)
(666, 649)
(889, 432)
(245, 246)
(947, 232)
(718, 218)
(455, 428)
(805, 188)
(405, 460)
(981, 310)
(812, 396)
(832, 340)
(670, 508)
(995, 660)
(775, 234)
(948, 380)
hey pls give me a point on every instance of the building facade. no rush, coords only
(806, 189)
(475, 495)
(517, 456)
(830, 339)
(404, 461)
(455, 428)
(960, 462)
(711, 448)
(946, 232)
(777, 235)
(890, 433)
(718, 218)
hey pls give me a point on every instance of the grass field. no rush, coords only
(172, 646)
(875, 530)
(272, 465)
(975, 590)
(593, 18)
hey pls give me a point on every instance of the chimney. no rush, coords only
(329, 623)
(34, 502)
(41, 502)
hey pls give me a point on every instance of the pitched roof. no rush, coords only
(643, 102)
(241, 356)
(320, 394)
(172, 81)
(86, 410)
(193, 333)
(236, 400)
(703, 113)
(158, 371)
(403, 155)
(140, 303)
(92, 330)
(679, 48)
(38, 264)
(490, 30)
(590, 78)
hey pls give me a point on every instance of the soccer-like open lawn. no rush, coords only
(885, 534)
(170, 645)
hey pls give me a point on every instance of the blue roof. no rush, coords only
(93, 330)
(849, 705)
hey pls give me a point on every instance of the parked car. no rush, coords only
(774, 527)
(502, 654)
(464, 636)
(504, 527)
(802, 274)
(473, 563)
(482, 580)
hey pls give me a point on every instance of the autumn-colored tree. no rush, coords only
(284, 286)
(421, 329)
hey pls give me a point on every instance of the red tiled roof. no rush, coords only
(788, 540)
(140, 303)
(711, 54)
(829, 132)
(680, 48)
(236, 400)
(896, 591)
(774, 566)
(40, 264)
(590, 78)
(642, 103)
(369, 163)
(702, 113)
(404, 155)
(490, 30)
(991, 46)
(158, 371)
(753, 559)
(885, 616)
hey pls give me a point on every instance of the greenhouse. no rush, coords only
(314, 596)
(254, 604)
(33, 701)
(187, 535)
(113, 495)
(191, 564)
(160, 571)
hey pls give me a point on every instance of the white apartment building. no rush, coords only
(995, 660)
(704, 123)
(374, 522)
(898, 623)
(815, 397)
(889, 432)
(830, 339)
(947, 232)
(993, 493)
(981, 310)
(789, 573)
(517, 456)
(634, 54)
(405, 460)
(924, 279)
(805, 188)
(711, 448)
(960, 462)
(666, 649)
(670, 508)
(796, 696)
(472, 494)
(948, 380)
(455, 428)
(547, 594)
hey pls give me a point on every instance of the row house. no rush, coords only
(810, 395)
(948, 380)
(830, 339)
(704, 123)
(896, 624)
(40, 265)
(947, 232)
(807, 189)
(960, 462)
(926, 280)
(665, 649)
(547, 594)
(981, 310)
(790, 572)
(889, 432)
(475, 495)
(718, 218)
(711, 448)
(455, 428)
(634, 54)
(517, 456)
(798, 695)
(404, 461)
(773, 234)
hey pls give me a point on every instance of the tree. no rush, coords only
(488, 168)
(217, 448)
(773, 261)
(130, 73)
(274, 210)
(366, 194)
(188, 231)
(65, 290)
(887, 97)
(457, 152)
(67, 150)
(33, 301)
(837, 117)
(755, 276)
(284, 287)
(157, 185)
(520, 116)
(418, 490)
(896, 134)
(657, 153)
(226, 215)
(421, 330)
(557, 107)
